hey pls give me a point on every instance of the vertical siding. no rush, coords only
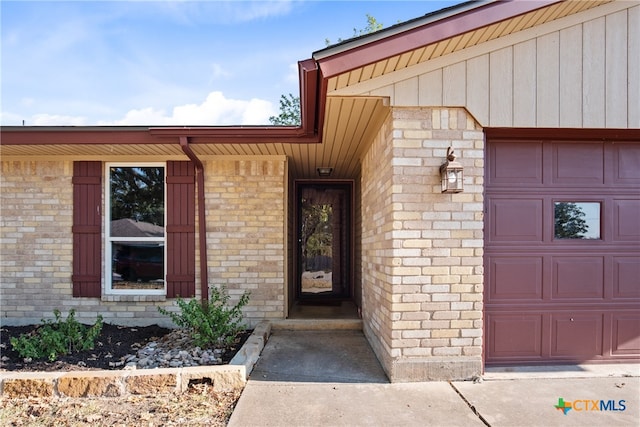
(571, 77)
(634, 67)
(453, 93)
(430, 88)
(616, 70)
(584, 75)
(406, 90)
(501, 86)
(593, 72)
(524, 84)
(478, 78)
(547, 81)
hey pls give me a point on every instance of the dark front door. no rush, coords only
(324, 241)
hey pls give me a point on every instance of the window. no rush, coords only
(135, 229)
(577, 220)
(92, 220)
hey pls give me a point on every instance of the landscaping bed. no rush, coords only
(111, 346)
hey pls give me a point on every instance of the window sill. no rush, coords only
(134, 298)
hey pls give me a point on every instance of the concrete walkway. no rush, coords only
(332, 378)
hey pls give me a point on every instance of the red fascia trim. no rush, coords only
(562, 134)
(429, 33)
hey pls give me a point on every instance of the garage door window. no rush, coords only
(577, 220)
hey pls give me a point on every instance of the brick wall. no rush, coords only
(422, 250)
(377, 245)
(245, 231)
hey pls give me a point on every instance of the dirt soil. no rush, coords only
(113, 343)
(200, 405)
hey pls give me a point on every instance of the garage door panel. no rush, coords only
(578, 278)
(515, 278)
(626, 334)
(627, 220)
(515, 335)
(578, 164)
(518, 220)
(626, 164)
(576, 335)
(515, 164)
(626, 275)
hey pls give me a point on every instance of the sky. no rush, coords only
(85, 63)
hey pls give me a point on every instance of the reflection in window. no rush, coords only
(317, 240)
(577, 220)
(135, 225)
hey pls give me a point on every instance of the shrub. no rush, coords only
(212, 322)
(52, 339)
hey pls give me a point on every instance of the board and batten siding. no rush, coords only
(578, 71)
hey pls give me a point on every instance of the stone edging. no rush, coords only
(138, 382)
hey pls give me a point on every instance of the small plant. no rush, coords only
(52, 339)
(210, 322)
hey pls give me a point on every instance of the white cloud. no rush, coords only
(10, 119)
(216, 110)
(56, 120)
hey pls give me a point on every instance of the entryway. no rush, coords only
(323, 266)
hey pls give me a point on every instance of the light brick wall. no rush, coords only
(245, 224)
(426, 259)
(36, 243)
(377, 245)
(246, 214)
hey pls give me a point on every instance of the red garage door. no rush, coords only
(562, 246)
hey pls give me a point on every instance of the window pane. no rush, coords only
(577, 220)
(137, 265)
(317, 247)
(137, 201)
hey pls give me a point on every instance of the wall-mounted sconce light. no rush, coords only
(451, 174)
(324, 171)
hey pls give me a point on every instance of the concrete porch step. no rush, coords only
(317, 324)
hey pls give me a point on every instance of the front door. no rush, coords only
(323, 229)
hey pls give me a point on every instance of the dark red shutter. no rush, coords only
(181, 229)
(87, 228)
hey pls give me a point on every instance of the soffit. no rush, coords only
(349, 126)
(460, 42)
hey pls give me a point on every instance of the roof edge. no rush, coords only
(401, 27)
(430, 29)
